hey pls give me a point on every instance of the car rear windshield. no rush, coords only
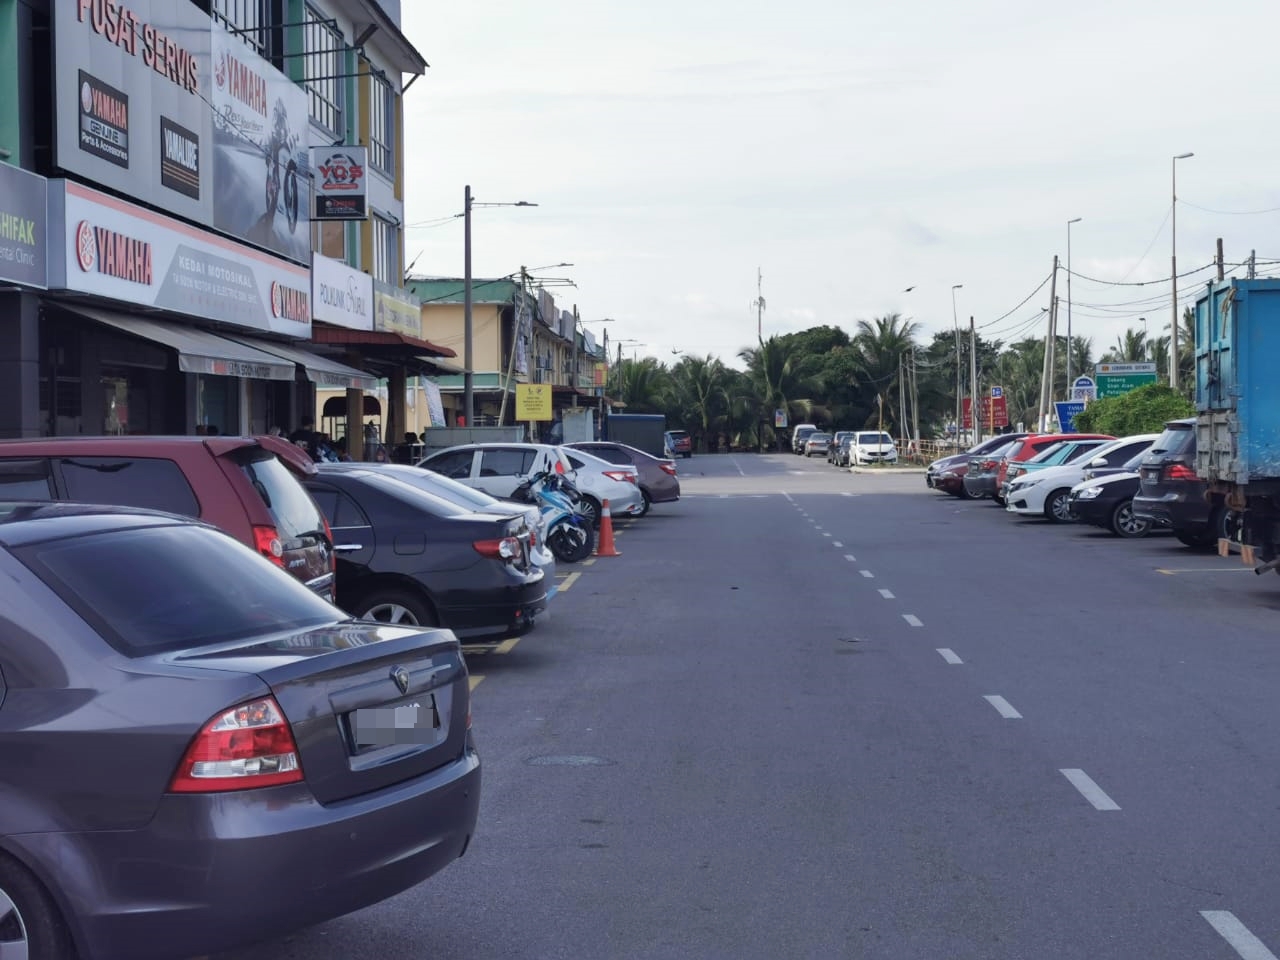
(173, 587)
(1174, 442)
(406, 491)
(1013, 451)
(294, 511)
(818, 437)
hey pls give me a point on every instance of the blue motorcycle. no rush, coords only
(570, 533)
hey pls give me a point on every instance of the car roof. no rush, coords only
(492, 445)
(35, 521)
(154, 446)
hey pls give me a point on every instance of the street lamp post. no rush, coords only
(468, 374)
(1173, 272)
(956, 323)
(1069, 223)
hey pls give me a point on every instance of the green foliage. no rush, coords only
(1143, 410)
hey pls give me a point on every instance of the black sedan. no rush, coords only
(408, 557)
(1107, 502)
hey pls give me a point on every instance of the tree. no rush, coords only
(1143, 410)
(782, 375)
(1131, 348)
(698, 391)
(879, 347)
(643, 385)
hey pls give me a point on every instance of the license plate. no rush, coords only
(411, 722)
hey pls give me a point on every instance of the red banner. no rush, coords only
(995, 413)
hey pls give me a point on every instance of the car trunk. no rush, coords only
(369, 705)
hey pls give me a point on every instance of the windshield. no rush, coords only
(871, 439)
(441, 486)
(818, 438)
(174, 587)
(1174, 441)
(295, 513)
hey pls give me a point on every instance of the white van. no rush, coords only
(799, 435)
(872, 446)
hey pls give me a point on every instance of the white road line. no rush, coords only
(739, 466)
(887, 594)
(913, 620)
(1003, 707)
(949, 655)
(850, 557)
(846, 493)
(867, 573)
(1092, 792)
(1237, 934)
(825, 534)
(787, 495)
(837, 544)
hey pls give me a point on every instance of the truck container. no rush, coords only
(1238, 411)
(641, 430)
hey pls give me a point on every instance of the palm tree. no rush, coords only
(642, 385)
(782, 377)
(699, 389)
(880, 345)
(1133, 347)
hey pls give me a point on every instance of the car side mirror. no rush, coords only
(1099, 462)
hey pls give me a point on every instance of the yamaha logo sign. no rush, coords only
(86, 247)
(289, 303)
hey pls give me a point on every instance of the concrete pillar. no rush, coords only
(19, 365)
(355, 424)
(397, 418)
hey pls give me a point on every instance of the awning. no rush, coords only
(198, 350)
(398, 343)
(321, 371)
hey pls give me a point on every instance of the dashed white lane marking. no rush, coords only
(837, 544)
(887, 594)
(913, 620)
(1237, 934)
(788, 496)
(850, 557)
(867, 573)
(1003, 707)
(1091, 791)
(739, 466)
(949, 655)
(825, 534)
(846, 493)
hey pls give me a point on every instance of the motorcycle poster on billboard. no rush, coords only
(341, 191)
(262, 167)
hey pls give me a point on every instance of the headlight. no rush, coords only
(1089, 493)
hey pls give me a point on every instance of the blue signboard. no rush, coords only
(1067, 413)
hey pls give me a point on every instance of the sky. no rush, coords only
(843, 151)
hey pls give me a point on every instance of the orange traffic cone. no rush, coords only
(604, 546)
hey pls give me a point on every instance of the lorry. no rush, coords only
(1237, 349)
(644, 431)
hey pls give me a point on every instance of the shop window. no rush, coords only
(61, 402)
(382, 125)
(386, 250)
(217, 409)
(245, 18)
(329, 238)
(324, 56)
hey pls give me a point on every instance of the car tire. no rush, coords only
(1124, 523)
(398, 606)
(997, 500)
(646, 502)
(1057, 506)
(28, 915)
(590, 507)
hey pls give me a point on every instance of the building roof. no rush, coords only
(452, 289)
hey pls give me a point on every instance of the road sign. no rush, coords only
(997, 393)
(1118, 384)
(1117, 368)
(1067, 413)
(1084, 388)
(995, 413)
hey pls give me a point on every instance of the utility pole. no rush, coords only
(517, 328)
(573, 364)
(915, 402)
(902, 406)
(956, 323)
(468, 373)
(975, 405)
(759, 305)
(1253, 259)
(1069, 223)
(1044, 373)
(1173, 269)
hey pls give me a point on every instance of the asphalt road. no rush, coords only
(812, 714)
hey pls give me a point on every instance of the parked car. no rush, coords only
(837, 440)
(411, 558)
(678, 443)
(840, 452)
(979, 479)
(246, 486)
(1107, 501)
(872, 446)
(659, 481)
(497, 468)
(947, 473)
(203, 753)
(1171, 493)
(1047, 492)
(469, 498)
(816, 442)
(799, 435)
(599, 480)
(1068, 449)
(1031, 446)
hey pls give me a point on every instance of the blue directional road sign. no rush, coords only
(997, 393)
(1067, 413)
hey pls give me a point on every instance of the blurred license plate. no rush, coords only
(414, 721)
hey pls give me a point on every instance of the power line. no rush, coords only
(1140, 283)
(1230, 213)
(983, 326)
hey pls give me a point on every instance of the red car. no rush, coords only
(246, 486)
(1030, 446)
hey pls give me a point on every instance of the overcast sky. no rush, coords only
(848, 150)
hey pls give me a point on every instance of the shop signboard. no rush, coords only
(396, 311)
(155, 100)
(341, 294)
(533, 401)
(341, 190)
(102, 245)
(23, 227)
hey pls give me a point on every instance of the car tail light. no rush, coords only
(508, 548)
(1178, 471)
(988, 464)
(620, 475)
(668, 468)
(247, 747)
(267, 540)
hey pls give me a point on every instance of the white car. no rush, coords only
(599, 480)
(872, 446)
(1047, 492)
(497, 468)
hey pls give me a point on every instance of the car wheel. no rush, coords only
(400, 607)
(1197, 541)
(30, 925)
(1057, 506)
(646, 502)
(590, 508)
(1125, 523)
(997, 500)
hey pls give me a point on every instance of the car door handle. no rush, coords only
(347, 547)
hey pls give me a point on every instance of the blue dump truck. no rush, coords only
(1238, 413)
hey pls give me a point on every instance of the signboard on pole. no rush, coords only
(533, 401)
(1084, 388)
(1117, 379)
(1067, 413)
(341, 189)
(995, 412)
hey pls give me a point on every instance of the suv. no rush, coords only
(246, 486)
(799, 435)
(497, 468)
(678, 443)
(1170, 493)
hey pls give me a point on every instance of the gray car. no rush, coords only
(659, 482)
(199, 752)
